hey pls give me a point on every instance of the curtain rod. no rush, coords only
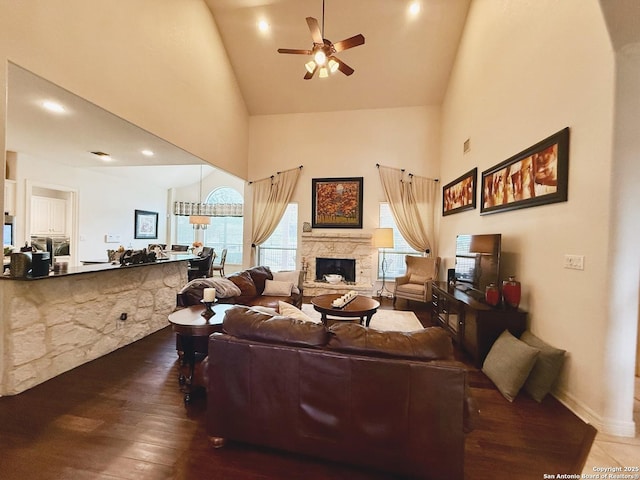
(272, 176)
(410, 174)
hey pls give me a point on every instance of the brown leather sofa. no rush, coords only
(391, 401)
(251, 283)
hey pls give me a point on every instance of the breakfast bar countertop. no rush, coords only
(99, 267)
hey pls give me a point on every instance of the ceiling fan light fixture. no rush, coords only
(310, 66)
(333, 65)
(320, 57)
(324, 72)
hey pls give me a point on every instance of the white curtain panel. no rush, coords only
(270, 199)
(412, 201)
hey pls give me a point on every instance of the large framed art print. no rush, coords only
(536, 176)
(336, 202)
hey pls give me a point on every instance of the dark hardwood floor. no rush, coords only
(122, 417)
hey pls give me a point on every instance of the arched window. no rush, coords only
(226, 231)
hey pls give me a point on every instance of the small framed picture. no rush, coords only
(146, 224)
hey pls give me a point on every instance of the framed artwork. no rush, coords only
(536, 176)
(460, 195)
(146, 224)
(336, 202)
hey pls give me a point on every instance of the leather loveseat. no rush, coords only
(250, 291)
(391, 401)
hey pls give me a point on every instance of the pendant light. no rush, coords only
(196, 219)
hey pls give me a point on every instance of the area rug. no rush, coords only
(387, 320)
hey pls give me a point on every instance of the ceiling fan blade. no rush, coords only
(309, 75)
(343, 67)
(294, 51)
(349, 43)
(314, 28)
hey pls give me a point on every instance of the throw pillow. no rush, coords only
(225, 288)
(546, 369)
(292, 276)
(421, 279)
(276, 288)
(509, 363)
(288, 310)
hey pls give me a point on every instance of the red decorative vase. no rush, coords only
(511, 292)
(492, 294)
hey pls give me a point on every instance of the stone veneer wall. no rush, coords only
(338, 245)
(53, 325)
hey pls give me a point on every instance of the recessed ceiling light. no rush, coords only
(52, 106)
(263, 26)
(103, 156)
(147, 153)
(414, 8)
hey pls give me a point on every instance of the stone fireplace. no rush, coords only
(354, 247)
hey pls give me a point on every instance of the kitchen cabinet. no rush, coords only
(10, 197)
(48, 216)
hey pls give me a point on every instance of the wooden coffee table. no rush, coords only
(360, 307)
(193, 331)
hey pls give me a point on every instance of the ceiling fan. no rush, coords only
(323, 51)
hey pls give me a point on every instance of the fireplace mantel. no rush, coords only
(355, 245)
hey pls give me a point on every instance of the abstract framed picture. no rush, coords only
(536, 176)
(146, 224)
(460, 194)
(336, 202)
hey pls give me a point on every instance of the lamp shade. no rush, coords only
(199, 220)
(482, 244)
(383, 238)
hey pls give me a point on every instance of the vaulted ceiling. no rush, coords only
(406, 59)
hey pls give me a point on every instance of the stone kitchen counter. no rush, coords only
(55, 323)
(101, 266)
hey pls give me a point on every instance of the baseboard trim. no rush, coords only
(587, 415)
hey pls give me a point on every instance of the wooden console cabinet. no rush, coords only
(473, 324)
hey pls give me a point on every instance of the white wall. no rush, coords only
(344, 144)
(524, 71)
(159, 64)
(105, 202)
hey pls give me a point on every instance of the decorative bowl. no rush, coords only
(333, 278)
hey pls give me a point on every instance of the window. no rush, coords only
(396, 266)
(280, 249)
(225, 232)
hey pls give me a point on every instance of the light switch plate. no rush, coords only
(574, 262)
(110, 238)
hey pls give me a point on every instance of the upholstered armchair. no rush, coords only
(416, 283)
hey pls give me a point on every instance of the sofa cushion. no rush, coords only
(431, 343)
(292, 276)
(509, 363)
(243, 322)
(259, 275)
(546, 369)
(288, 310)
(245, 283)
(277, 288)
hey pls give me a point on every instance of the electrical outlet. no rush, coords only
(574, 262)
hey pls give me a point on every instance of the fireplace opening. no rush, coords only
(340, 266)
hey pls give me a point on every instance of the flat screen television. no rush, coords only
(477, 262)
